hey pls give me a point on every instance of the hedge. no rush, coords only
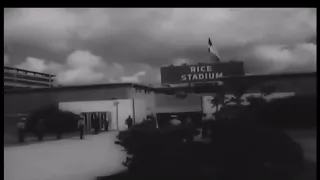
(237, 150)
(54, 120)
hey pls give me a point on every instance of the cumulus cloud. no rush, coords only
(80, 59)
(79, 76)
(134, 78)
(33, 64)
(156, 37)
(297, 58)
(80, 67)
(180, 61)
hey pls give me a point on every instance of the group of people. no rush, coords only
(174, 121)
(21, 126)
(40, 128)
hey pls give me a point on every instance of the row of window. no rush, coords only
(27, 82)
(23, 77)
(17, 71)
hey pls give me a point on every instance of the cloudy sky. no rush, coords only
(83, 46)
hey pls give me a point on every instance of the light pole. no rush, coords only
(116, 104)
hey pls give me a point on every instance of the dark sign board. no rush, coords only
(200, 72)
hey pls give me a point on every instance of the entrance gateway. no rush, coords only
(102, 117)
(201, 73)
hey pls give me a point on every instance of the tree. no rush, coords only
(220, 99)
(54, 119)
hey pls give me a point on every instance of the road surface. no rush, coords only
(66, 159)
(75, 159)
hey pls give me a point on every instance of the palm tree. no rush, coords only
(219, 97)
(238, 90)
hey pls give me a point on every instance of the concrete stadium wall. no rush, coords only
(94, 94)
(140, 110)
(169, 103)
(144, 103)
(299, 85)
(26, 102)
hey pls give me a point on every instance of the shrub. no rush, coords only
(54, 120)
(294, 112)
(265, 152)
(155, 150)
(238, 150)
(241, 147)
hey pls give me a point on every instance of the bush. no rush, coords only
(293, 112)
(155, 151)
(266, 153)
(246, 143)
(54, 120)
(237, 150)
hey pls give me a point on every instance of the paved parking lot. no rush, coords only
(66, 159)
(75, 159)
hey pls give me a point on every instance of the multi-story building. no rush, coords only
(14, 78)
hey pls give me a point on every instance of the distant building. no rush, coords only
(14, 78)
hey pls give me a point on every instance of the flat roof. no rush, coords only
(27, 71)
(77, 87)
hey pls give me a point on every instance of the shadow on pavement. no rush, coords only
(310, 173)
(34, 140)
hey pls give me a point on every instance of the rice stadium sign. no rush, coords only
(200, 72)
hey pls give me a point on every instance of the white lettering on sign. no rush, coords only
(219, 75)
(193, 69)
(201, 76)
(202, 69)
(183, 77)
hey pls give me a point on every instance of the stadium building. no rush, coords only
(119, 100)
(14, 78)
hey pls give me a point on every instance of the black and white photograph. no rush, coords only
(145, 93)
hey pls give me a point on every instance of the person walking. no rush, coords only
(205, 127)
(59, 129)
(21, 126)
(106, 125)
(81, 125)
(129, 122)
(40, 129)
(191, 130)
(95, 124)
